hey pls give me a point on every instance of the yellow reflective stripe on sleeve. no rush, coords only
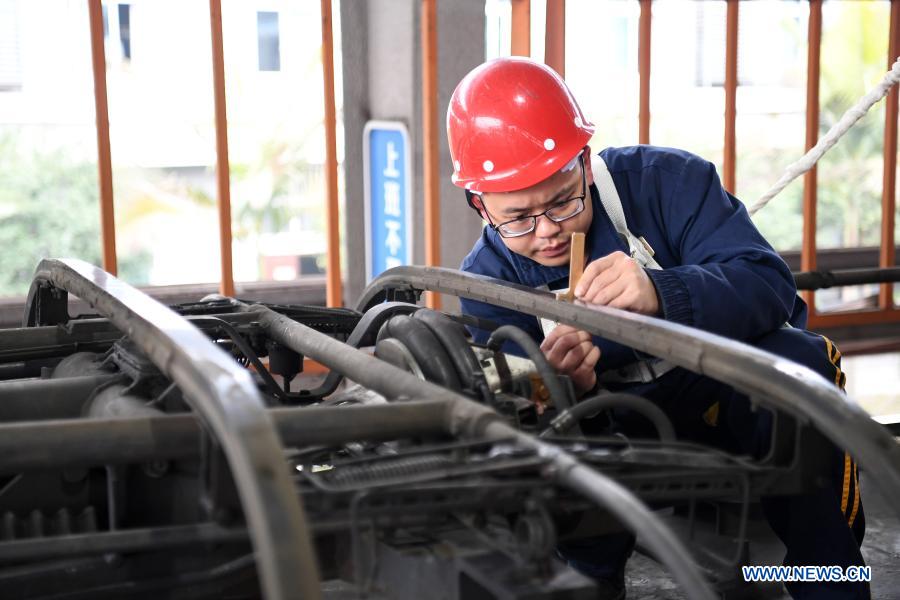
(845, 496)
(855, 495)
(711, 416)
(834, 355)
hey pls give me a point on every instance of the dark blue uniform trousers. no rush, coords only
(823, 526)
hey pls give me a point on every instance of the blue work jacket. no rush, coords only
(718, 272)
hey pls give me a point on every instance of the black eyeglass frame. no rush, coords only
(534, 217)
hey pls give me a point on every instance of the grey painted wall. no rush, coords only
(382, 76)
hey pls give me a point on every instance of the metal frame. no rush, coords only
(520, 37)
(223, 169)
(645, 30)
(227, 402)
(764, 377)
(333, 291)
(555, 36)
(430, 140)
(104, 153)
(731, 82)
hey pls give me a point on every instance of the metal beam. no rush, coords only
(333, 290)
(520, 36)
(644, 37)
(555, 36)
(223, 170)
(430, 149)
(889, 188)
(731, 82)
(76, 442)
(104, 152)
(814, 41)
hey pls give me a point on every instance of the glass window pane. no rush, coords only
(687, 75)
(48, 145)
(770, 127)
(162, 135)
(268, 41)
(276, 136)
(874, 382)
(854, 51)
(605, 77)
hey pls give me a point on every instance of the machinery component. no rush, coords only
(592, 406)
(113, 478)
(766, 378)
(215, 386)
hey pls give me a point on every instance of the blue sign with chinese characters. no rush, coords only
(386, 156)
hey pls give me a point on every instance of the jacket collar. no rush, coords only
(601, 240)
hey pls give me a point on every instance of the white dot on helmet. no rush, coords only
(549, 144)
(488, 166)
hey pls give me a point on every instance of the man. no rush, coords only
(663, 238)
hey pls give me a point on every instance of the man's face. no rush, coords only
(548, 244)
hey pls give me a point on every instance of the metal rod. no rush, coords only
(333, 289)
(555, 36)
(520, 36)
(104, 152)
(465, 417)
(223, 170)
(75, 442)
(224, 396)
(128, 540)
(771, 379)
(814, 41)
(731, 82)
(889, 187)
(430, 150)
(816, 280)
(644, 38)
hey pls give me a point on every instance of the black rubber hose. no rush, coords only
(449, 334)
(425, 348)
(547, 373)
(570, 417)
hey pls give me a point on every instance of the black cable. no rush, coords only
(250, 355)
(547, 373)
(571, 416)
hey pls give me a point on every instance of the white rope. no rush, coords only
(853, 114)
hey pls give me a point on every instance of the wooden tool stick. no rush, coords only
(576, 265)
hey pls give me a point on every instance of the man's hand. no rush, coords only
(571, 352)
(617, 280)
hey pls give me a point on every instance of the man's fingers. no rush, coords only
(575, 356)
(557, 351)
(612, 292)
(594, 270)
(595, 293)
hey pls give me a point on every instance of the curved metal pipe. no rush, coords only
(465, 417)
(547, 373)
(225, 398)
(773, 380)
(570, 417)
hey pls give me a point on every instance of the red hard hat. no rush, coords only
(512, 123)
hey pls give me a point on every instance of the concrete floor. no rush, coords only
(647, 580)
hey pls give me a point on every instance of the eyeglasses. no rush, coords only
(559, 212)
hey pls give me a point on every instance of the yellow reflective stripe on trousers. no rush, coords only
(855, 495)
(848, 471)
